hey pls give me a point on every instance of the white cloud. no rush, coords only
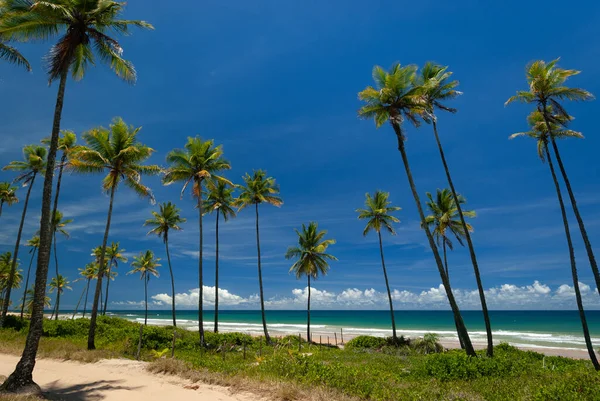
(190, 298)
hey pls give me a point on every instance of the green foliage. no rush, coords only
(366, 342)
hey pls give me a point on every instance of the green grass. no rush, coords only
(368, 369)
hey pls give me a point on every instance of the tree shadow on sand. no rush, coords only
(92, 391)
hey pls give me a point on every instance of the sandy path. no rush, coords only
(115, 380)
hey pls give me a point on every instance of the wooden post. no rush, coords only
(320, 342)
(139, 349)
(342, 333)
(328, 344)
(335, 335)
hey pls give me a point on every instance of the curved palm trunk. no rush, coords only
(57, 304)
(217, 274)
(260, 283)
(56, 263)
(101, 302)
(387, 286)
(13, 267)
(22, 377)
(462, 345)
(54, 209)
(1, 206)
(172, 279)
(584, 235)
(27, 281)
(462, 330)
(78, 303)
(107, 285)
(146, 299)
(87, 289)
(92, 332)
(200, 277)
(584, 325)
(484, 308)
(308, 313)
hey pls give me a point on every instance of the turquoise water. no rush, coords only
(561, 329)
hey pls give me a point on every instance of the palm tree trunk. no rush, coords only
(56, 263)
(22, 378)
(146, 300)
(13, 267)
(200, 277)
(101, 301)
(462, 330)
(97, 294)
(27, 282)
(486, 315)
(584, 325)
(1, 205)
(308, 313)
(172, 279)
(87, 289)
(57, 303)
(462, 345)
(107, 285)
(78, 303)
(387, 286)
(260, 283)
(217, 273)
(584, 235)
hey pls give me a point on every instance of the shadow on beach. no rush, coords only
(91, 391)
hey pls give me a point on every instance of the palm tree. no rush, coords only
(114, 255)
(200, 160)
(7, 195)
(34, 163)
(117, 152)
(546, 90)
(435, 87)
(28, 299)
(220, 199)
(58, 226)
(84, 27)
(541, 132)
(8, 279)
(89, 273)
(395, 99)
(58, 284)
(378, 213)
(312, 258)
(257, 189)
(146, 265)
(167, 219)
(12, 55)
(34, 243)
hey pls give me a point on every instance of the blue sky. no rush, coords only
(275, 82)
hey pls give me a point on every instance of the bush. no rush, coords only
(16, 323)
(369, 342)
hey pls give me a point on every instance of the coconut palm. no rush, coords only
(378, 212)
(167, 219)
(34, 243)
(58, 284)
(146, 265)
(540, 132)
(89, 273)
(546, 91)
(117, 152)
(198, 161)
(83, 28)
(429, 344)
(7, 277)
(7, 195)
(34, 163)
(257, 189)
(312, 259)
(28, 299)
(13, 56)
(394, 99)
(435, 87)
(114, 256)
(220, 199)
(58, 226)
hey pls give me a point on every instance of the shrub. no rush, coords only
(369, 342)
(15, 323)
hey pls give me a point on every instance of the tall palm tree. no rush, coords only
(7, 195)
(114, 256)
(378, 212)
(34, 243)
(13, 56)
(435, 87)
(83, 27)
(58, 226)
(146, 265)
(8, 279)
(546, 91)
(312, 259)
(89, 273)
(167, 219)
(541, 132)
(33, 164)
(198, 161)
(58, 284)
(220, 199)
(257, 189)
(394, 99)
(118, 152)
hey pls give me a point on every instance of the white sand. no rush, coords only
(116, 380)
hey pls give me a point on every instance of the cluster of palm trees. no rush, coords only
(83, 29)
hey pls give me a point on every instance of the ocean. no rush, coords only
(553, 329)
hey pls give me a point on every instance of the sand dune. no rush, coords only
(115, 380)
